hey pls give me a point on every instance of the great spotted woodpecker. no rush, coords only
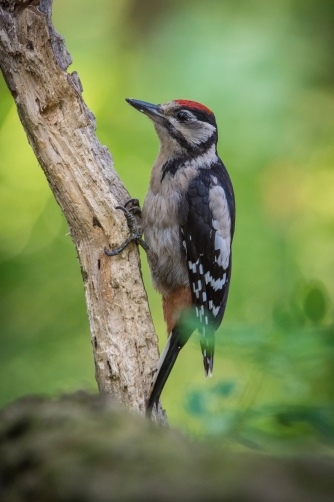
(188, 223)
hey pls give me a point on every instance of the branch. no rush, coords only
(60, 129)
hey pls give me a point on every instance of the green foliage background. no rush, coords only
(266, 69)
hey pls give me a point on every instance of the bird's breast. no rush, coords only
(161, 226)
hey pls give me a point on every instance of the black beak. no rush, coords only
(154, 112)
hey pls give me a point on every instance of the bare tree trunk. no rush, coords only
(60, 129)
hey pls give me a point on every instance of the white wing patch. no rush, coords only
(221, 223)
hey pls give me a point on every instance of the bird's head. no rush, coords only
(181, 125)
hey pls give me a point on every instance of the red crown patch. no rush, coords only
(193, 104)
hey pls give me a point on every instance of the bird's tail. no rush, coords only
(166, 362)
(207, 340)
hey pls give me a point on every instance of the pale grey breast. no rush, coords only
(161, 226)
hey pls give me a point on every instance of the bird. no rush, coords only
(188, 221)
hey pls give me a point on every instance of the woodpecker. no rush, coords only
(188, 220)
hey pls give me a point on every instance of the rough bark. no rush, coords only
(60, 129)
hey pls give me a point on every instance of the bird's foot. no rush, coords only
(135, 233)
(134, 206)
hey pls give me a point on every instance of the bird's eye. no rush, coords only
(182, 116)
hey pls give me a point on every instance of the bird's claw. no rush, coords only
(135, 207)
(136, 235)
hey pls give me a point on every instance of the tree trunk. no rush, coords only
(60, 129)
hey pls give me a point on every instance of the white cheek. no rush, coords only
(197, 134)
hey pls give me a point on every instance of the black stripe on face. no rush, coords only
(192, 149)
(201, 115)
(171, 166)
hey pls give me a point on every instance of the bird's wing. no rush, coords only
(207, 225)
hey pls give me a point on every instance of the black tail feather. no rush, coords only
(165, 365)
(207, 340)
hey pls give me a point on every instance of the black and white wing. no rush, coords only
(207, 227)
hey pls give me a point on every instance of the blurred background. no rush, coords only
(266, 69)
